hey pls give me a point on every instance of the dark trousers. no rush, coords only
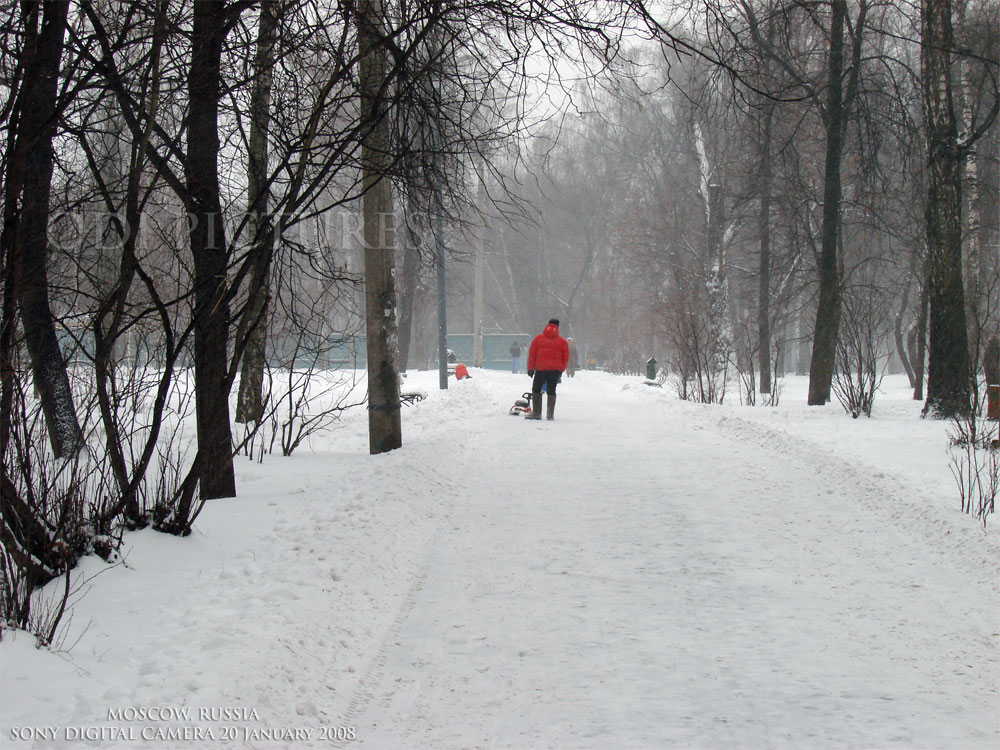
(550, 378)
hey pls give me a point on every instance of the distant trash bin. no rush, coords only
(651, 368)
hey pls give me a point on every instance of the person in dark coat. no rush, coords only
(515, 357)
(547, 359)
(574, 363)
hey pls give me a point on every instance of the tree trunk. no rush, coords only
(897, 331)
(384, 426)
(973, 265)
(250, 402)
(764, 183)
(949, 375)
(803, 343)
(719, 320)
(26, 538)
(828, 310)
(208, 248)
(918, 357)
(30, 176)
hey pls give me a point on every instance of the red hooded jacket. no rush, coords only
(548, 350)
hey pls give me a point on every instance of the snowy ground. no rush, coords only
(640, 573)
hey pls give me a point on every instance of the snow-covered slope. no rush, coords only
(639, 573)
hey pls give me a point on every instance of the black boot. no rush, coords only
(536, 407)
(550, 405)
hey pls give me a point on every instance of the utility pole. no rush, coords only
(439, 253)
(384, 428)
(477, 308)
(437, 186)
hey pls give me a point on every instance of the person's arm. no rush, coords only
(564, 351)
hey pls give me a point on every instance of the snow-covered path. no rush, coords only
(640, 573)
(609, 581)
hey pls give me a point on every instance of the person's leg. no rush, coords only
(536, 396)
(538, 381)
(552, 380)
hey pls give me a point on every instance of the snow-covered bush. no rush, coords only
(126, 473)
(308, 376)
(702, 347)
(300, 402)
(975, 463)
(744, 360)
(48, 508)
(862, 347)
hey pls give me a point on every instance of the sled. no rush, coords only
(521, 406)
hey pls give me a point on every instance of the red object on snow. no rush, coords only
(548, 350)
(461, 372)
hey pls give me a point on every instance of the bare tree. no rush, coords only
(27, 187)
(836, 113)
(250, 406)
(949, 388)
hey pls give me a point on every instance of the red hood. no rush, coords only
(548, 350)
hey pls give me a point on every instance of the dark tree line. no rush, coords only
(811, 119)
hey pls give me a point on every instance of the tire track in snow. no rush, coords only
(373, 674)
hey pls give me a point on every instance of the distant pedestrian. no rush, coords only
(515, 358)
(547, 359)
(574, 362)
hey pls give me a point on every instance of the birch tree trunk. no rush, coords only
(974, 221)
(718, 283)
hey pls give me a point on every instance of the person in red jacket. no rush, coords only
(547, 358)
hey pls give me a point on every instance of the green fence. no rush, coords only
(330, 353)
(496, 348)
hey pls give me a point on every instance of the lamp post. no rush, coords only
(437, 179)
